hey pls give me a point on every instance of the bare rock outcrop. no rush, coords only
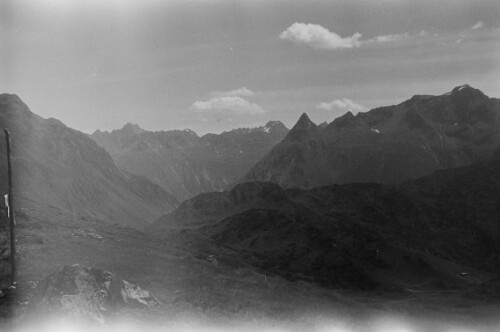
(89, 293)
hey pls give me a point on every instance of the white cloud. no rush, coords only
(477, 26)
(343, 103)
(316, 36)
(390, 38)
(228, 103)
(241, 92)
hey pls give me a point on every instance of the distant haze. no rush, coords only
(217, 65)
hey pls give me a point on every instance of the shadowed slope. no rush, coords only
(388, 144)
(62, 167)
(422, 233)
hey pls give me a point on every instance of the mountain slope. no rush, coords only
(422, 233)
(207, 207)
(184, 163)
(62, 167)
(388, 144)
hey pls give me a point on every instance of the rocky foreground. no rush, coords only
(89, 294)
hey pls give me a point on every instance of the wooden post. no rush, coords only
(11, 212)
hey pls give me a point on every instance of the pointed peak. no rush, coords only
(304, 122)
(303, 128)
(348, 120)
(348, 115)
(304, 117)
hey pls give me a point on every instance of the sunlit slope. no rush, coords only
(185, 164)
(58, 166)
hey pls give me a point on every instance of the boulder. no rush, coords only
(89, 293)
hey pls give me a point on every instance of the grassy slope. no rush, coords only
(188, 285)
(422, 234)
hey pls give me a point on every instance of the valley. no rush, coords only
(243, 166)
(195, 295)
(185, 164)
(261, 252)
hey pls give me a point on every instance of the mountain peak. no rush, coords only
(467, 91)
(303, 128)
(275, 126)
(462, 87)
(131, 127)
(11, 104)
(304, 122)
(271, 123)
(348, 120)
(9, 97)
(417, 137)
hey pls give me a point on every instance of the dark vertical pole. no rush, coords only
(11, 212)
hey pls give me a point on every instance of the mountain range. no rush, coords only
(400, 196)
(387, 144)
(185, 164)
(62, 167)
(423, 233)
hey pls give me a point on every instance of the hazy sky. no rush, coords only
(214, 65)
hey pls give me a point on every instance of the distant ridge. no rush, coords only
(62, 167)
(185, 164)
(387, 144)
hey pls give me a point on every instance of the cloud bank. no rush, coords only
(319, 37)
(316, 36)
(343, 103)
(390, 38)
(229, 101)
(234, 104)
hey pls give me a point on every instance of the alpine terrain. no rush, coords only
(422, 234)
(387, 144)
(61, 167)
(185, 164)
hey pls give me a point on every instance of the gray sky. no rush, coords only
(214, 65)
